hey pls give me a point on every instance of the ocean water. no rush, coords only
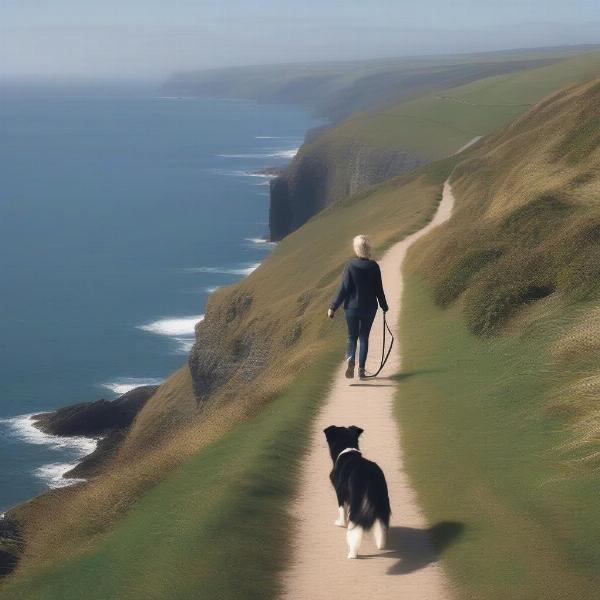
(120, 211)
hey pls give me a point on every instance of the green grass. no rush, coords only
(436, 124)
(499, 401)
(526, 223)
(483, 450)
(217, 527)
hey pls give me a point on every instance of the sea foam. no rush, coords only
(239, 173)
(52, 474)
(173, 326)
(180, 329)
(22, 427)
(289, 153)
(260, 241)
(126, 384)
(246, 270)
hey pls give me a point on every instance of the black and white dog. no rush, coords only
(360, 487)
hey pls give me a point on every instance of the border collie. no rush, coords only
(360, 487)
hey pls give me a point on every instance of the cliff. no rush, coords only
(360, 97)
(373, 146)
(337, 90)
(325, 172)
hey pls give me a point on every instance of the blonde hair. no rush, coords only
(362, 246)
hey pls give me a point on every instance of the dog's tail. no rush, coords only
(369, 500)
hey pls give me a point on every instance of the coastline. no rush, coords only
(73, 450)
(24, 428)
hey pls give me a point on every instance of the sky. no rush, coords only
(150, 39)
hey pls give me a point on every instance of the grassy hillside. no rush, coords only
(178, 453)
(499, 402)
(374, 145)
(203, 532)
(436, 124)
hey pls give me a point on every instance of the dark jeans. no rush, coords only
(359, 327)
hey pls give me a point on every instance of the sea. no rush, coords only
(121, 210)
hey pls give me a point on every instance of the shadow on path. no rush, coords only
(410, 374)
(399, 377)
(418, 548)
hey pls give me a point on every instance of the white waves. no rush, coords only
(53, 474)
(172, 326)
(126, 384)
(242, 270)
(22, 427)
(180, 329)
(289, 154)
(238, 173)
(260, 241)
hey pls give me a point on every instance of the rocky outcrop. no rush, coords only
(326, 171)
(108, 420)
(11, 545)
(93, 419)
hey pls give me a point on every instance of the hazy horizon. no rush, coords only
(149, 40)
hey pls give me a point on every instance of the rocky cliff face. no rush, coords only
(227, 349)
(95, 418)
(326, 171)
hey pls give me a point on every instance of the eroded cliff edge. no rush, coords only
(327, 170)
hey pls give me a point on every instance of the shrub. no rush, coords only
(581, 277)
(458, 278)
(489, 309)
(581, 141)
(532, 223)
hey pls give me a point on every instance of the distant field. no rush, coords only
(433, 125)
(339, 89)
(438, 123)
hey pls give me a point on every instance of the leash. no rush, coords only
(384, 355)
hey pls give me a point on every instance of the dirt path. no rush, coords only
(407, 569)
(470, 143)
(469, 103)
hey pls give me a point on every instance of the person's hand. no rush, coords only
(331, 313)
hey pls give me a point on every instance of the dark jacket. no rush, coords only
(361, 288)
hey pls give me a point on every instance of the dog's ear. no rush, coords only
(328, 431)
(356, 430)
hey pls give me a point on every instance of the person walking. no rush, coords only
(361, 292)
